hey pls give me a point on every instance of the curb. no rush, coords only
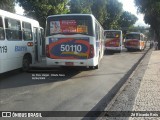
(107, 99)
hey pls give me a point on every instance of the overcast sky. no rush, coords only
(128, 5)
(19, 10)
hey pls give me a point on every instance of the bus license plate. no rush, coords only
(69, 63)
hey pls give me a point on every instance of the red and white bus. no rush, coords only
(74, 40)
(20, 41)
(135, 41)
(114, 40)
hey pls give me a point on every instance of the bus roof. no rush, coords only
(114, 30)
(15, 16)
(134, 33)
(71, 15)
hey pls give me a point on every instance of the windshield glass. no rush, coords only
(133, 36)
(69, 25)
(112, 34)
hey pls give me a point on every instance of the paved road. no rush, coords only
(65, 89)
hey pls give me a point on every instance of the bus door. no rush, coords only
(35, 31)
(41, 42)
(38, 43)
(142, 42)
(121, 40)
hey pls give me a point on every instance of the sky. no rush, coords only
(19, 10)
(128, 5)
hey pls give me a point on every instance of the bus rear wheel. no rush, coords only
(94, 67)
(129, 50)
(25, 65)
(97, 66)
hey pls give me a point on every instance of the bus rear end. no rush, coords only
(113, 41)
(134, 41)
(70, 41)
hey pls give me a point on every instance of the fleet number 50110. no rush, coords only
(71, 48)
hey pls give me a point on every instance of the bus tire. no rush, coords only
(129, 50)
(97, 66)
(119, 51)
(25, 64)
(94, 67)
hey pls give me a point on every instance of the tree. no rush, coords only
(96, 7)
(127, 20)
(40, 9)
(99, 10)
(7, 5)
(80, 6)
(151, 11)
(114, 11)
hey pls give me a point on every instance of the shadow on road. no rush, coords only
(108, 52)
(17, 78)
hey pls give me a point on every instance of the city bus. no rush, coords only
(74, 40)
(135, 41)
(20, 42)
(113, 40)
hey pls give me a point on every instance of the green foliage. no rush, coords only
(108, 12)
(7, 5)
(127, 20)
(40, 9)
(114, 11)
(99, 10)
(151, 10)
(95, 7)
(80, 6)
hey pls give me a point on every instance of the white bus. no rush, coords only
(74, 40)
(135, 41)
(114, 40)
(20, 42)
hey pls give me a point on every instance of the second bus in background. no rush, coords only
(113, 40)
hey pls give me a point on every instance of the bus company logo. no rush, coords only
(6, 114)
(20, 48)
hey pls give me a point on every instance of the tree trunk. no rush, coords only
(157, 40)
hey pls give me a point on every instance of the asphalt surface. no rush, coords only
(65, 89)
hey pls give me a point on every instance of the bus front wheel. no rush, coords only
(26, 64)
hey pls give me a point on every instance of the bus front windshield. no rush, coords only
(112, 34)
(69, 25)
(133, 36)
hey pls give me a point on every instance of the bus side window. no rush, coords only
(97, 29)
(98, 33)
(1, 29)
(27, 31)
(13, 29)
(35, 31)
